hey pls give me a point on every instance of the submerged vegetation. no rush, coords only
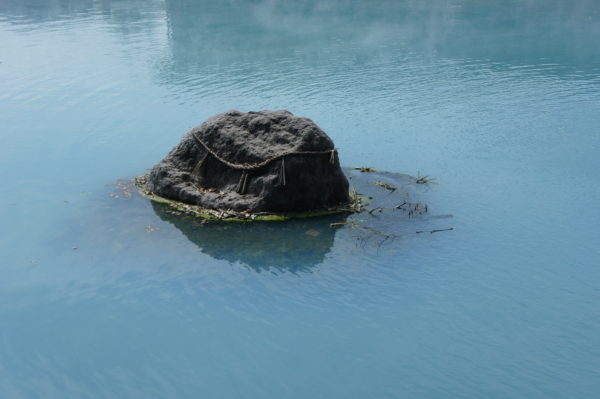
(388, 217)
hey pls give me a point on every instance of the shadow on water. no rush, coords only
(292, 246)
(118, 226)
(131, 225)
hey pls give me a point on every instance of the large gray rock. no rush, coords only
(265, 161)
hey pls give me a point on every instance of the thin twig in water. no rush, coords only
(434, 231)
(364, 169)
(401, 206)
(385, 185)
(426, 180)
(378, 209)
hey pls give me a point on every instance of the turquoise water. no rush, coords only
(104, 295)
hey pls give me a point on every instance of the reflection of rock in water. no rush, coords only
(291, 246)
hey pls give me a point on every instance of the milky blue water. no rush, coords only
(104, 295)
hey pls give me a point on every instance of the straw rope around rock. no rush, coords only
(253, 166)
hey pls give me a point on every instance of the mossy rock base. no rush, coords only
(356, 204)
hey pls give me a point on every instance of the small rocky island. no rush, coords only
(252, 163)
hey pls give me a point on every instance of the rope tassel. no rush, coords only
(245, 185)
(242, 184)
(199, 168)
(282, 172)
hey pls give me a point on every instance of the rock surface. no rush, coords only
(265, 161)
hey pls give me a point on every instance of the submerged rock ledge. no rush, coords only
(245, 164)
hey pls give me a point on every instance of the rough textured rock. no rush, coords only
(265, 161)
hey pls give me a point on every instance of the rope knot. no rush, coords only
(332, 156)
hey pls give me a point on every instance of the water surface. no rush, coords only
(107, 296)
